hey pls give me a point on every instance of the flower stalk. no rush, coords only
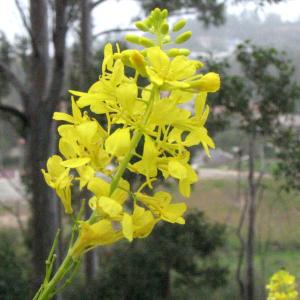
(152, 113)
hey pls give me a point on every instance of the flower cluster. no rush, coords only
(282, 286)
(146, 110)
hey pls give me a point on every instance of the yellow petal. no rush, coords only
(54, 167)
(173, 212)
(200, 103)
(154, 77)
(118, 143)
(60, 116)
(158, 59)
(76, 112)
(127, 227)
(65, 197)
(66, 148)
(117, 73)
(110, 206)
(75, 162)
(177, 169)
(99, 187)
(86, 173)
(185, 188)
(87, 131)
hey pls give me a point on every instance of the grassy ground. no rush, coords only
(277, 228)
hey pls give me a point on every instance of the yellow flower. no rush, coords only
(58, 178)
(161, 205)
(184, 173)
(282, 286)
(129, 112)
(92, 235)
(169, 74)
(137, 225)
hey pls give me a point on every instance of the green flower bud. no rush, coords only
(131, 38)
(173, 52)
(184, 51)
(164, 13)
(148, 21)
(156, 13)
(164, 29)
(146, 42)
(179, 25)
(141, 26)
(183, 37)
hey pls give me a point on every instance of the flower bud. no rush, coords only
(148, 21)
(141, 26)
(131, 38)
(210, 82)
(164, 13)
(156, 13)
(179, 25)
(183, 37)
(138, 61)
(146, 42)
(164, 29)
(184, 51)
(175, 51)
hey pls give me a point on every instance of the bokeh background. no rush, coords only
(243, 222)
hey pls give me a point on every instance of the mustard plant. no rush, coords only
(94, 156)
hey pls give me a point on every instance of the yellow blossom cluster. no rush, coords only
(145, 110)
(282, 286)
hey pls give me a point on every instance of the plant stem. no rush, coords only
(48, 290)
(134, 142)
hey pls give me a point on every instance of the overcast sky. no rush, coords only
(112, 14)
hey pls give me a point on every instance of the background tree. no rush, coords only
(288, 154)
(40, 92)
(256, 99)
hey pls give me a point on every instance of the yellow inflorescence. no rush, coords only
(282, 286)
(151, 115)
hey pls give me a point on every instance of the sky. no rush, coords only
(113, 13)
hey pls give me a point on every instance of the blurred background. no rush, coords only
(243, 222)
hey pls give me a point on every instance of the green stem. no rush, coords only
(49, 288)
(134, 142)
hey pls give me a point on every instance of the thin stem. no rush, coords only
(134, 142)
(47, 290)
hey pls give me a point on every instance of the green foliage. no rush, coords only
(288, 167)
(264, 91)
(13, 285)
(175, 262)
(5, 55)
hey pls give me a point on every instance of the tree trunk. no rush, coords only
(44, 217)
(250, 241)
(86, 43)
(44, 93)
(37, 143)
